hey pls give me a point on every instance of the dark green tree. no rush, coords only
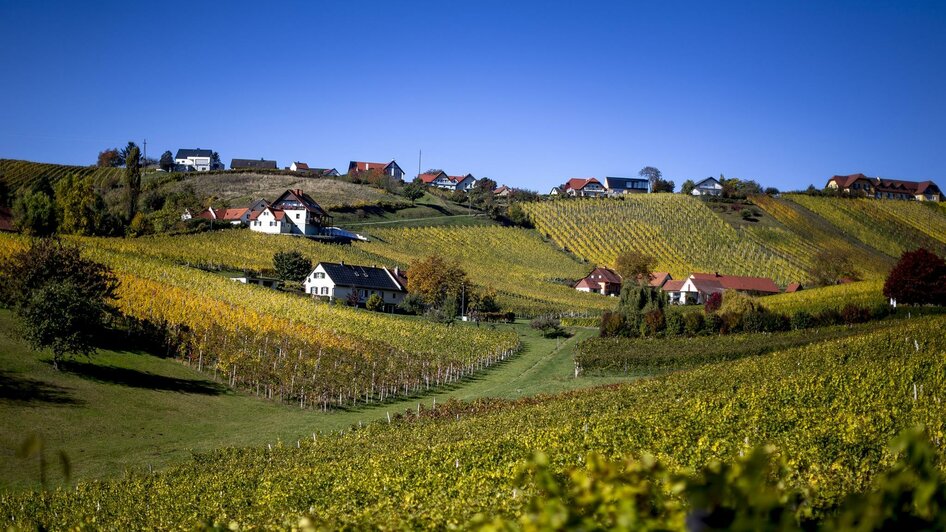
(291, 266)
(81, 209)
(132, 181)
(34, 213)
(414, 190)
(167, 161)
(61, 299)
(215, 161)
(127, 155)
(687, 187)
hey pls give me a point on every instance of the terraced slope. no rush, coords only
(680, 232)
(16, 173)
(829, 409)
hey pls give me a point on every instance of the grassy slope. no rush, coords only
(128, 410)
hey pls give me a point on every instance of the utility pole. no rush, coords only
(145, 144)
(419, 153)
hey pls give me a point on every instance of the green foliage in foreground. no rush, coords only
(829, 409)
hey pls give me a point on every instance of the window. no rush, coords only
(319, 275)
(298, 216)
(324, 290)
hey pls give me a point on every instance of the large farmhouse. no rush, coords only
(697, 288)
(349, 282)
(294, 212)
(880, 188)
(601, 280)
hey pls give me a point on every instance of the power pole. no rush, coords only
(145, 144)
(419, 153)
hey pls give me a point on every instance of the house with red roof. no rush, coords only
(882, 188)
(294, 212)
(502, 192)
(390, 169)
(448, 182)
(755, 286)
(601, 280)
(584, 187)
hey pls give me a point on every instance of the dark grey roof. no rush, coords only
(185, 153)
(625, 182)
(252, 163)
(295, 199)
(701, 181)
(360, 276)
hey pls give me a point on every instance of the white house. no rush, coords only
(463, 182)
(692, 290)
(585, 187)
(295, 213)
(196, 159)
(448, 182)
(344, 282)
(708, 187)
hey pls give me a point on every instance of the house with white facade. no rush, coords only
(584, 187)
(346, 282)
(448, 182)
(294, 213)
(617, 186)
(708, 187)
(191, 160)
(390, 169)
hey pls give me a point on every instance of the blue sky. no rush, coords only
(530, 94)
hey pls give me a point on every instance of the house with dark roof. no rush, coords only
(353, 283)
(294, 213)
(882, 188)
(325, 172)
(391, 169)
(625, 185)
(708, 187)
(252, 164)
(194, 160)
(601, 280)
(584, 187)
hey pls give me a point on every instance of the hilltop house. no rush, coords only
(697, 288)
(448, 182)
(584, 187)
(708, 187)
(880, 188)
(502, 192)
(296, 166)
(344, 282)
(625, 185)
(390, 169)
(294, 212)
(190, 160)
(601, 280)
(325, 172)
(252, 164)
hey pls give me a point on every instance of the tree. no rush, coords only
(132, 181)
(414, 190)
(34, 213)
(663, 185)
(831, 265)
(109, 158)
(433, 171)
(713, 303)
(687, 187)
(167, 161)
(634, 265)
(129, 157)
(374, 303)
(772, 191)
(61, 299)
(918, 278)
(518, 216)
(652, 174)
(291, 265)
(81, 209)
(436, 280)
(215, 161)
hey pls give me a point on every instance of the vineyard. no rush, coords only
(16, 173)
(890, 227)
(828, 408)
(291, 348)
(866, 294)
(530, 276)
(680, 232)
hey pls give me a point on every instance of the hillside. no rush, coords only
(16, 173)
(684, 235)
(829, 409)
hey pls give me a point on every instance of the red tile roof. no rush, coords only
(794, 287)
(657, 279)
(602, 274)
(673, 285)
(578, 183)
(301, 166)
(360, 166)
(430, 178)
(745, 284)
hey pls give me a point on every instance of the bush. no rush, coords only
(654, 322)
(612, 323)
(802, 320)
(712, 324)
(713, 303)
(852, 314)
(693, 323)
(550, 327)
(828, 317)
(674, 324)
(374, 303)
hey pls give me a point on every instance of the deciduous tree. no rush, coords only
(652, 175)
(634, 267)
(687, 187)
(435, 280)
(109, 158)
(291, 266)
(830, 266)
(34, 213)
(918, 278)
(167, 161)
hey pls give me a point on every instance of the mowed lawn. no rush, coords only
(126, 410)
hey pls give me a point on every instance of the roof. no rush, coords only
(186, 153)
(745, 284)
(252, 163)
(325, 171)
(622, 182)
(585, 283)
(430, 178)
(673, 285)
(301, 166)
(658, 279)
(578, 183)
(701, 181)
(502, 190)
(297, 199)
(361, 166)
(882, 184)
(460, 178)
(844, 181)
(602, 274)
(706, 285)
(794, 287)
(361, 276)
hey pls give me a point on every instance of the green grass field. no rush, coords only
(125, 410)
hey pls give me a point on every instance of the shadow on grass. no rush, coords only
(139, 379)
(17, 389)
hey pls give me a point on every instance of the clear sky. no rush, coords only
(530, 94)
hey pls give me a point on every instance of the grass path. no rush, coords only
(130, 411)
